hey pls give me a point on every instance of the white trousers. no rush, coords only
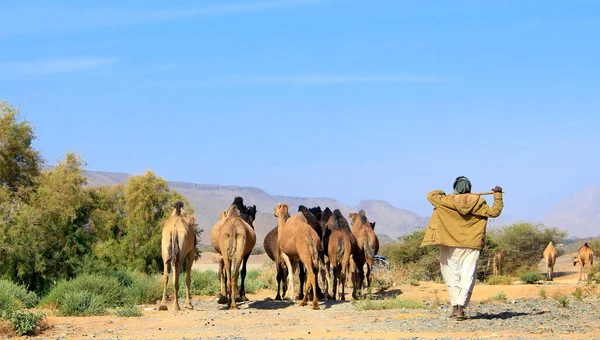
(459, 270)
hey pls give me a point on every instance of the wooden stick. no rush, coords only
(484, 193)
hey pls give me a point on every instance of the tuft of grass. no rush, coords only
(500, 280)
(542, 293)
(25, 322)
(397, 303)
(414, 282)
(578, 294)
(128, 311)
(500, 296)
(20, 293)
(531, 277)
(82, 303)
(563, 301)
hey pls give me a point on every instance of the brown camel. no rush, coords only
(550, 257)
(341, 244)
(367, 242)
(497, 262)
(298, 242)
(232, 238)
(248, 214)
(178, 243)
(314, 222)
(271, 245)
(585, 256)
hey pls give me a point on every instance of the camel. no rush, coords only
(232, 238)
(550, 257)
(367, 242)
(298, 242)
(373, 225)
(341, 245)
(497, 262)
(178, 244)
(271, 245)
(248, 214)
(585, 256)
(313, 221)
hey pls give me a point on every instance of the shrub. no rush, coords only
(578, 294)
(500, 280)
(141, 288)
(82, 303)
(397, 303)
(203, 283)
(25, 322)
(414, 283)
(531, 277)
(500, 296)
(563, 301)
(106, 289)
(8, 304)
(20, 293)
(542, 293)
(258, 250)
(422, 263)
(128, 311)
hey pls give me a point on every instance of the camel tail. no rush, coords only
(174, 247)
(340, 249)
(369, 252)
(313, 251)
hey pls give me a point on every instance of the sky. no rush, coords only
(353, 100)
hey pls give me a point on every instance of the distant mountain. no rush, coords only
(210, 200)
(578, 214)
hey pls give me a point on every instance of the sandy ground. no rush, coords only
(262, 318)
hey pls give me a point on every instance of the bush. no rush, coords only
(106, 288)
(531, 277)
(128, 311)
(203, 283)
(25, 322)
(578, 294)
(82, 303)
(563, 301)
(423, 263)
(20, 293)
(500, 280)
(543, 293)
(500, 296)
(258, 250)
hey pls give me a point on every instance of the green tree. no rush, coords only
(524, 244)
(19, 162)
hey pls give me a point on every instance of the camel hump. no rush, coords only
(178, 207)
(233, 211)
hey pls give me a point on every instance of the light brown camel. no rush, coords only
(498, 262)
(298, 242)
(178, 243)
(341, 243)
(550, 258)
(232, 238)
(585, 256)
(271, 245)
(367, 242)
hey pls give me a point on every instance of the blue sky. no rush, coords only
(345, 99)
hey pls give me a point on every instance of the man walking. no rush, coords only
(458, 225)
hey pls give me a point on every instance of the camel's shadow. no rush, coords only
(504, 315)
(270, 304)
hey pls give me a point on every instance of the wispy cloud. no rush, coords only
(67, 19)
(53, 66)
(305, 80)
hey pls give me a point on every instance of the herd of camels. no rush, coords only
(585, 256)
(313, 242)
(310, 243)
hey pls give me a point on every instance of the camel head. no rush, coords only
(372, 225)
(282, 210)
(251, 212)
(353, 218)
(317, 212)
(575, 260)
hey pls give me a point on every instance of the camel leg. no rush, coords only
(302, 279)
(336, 273)
(329, 284)
(291, 272)
(343, 279)
(176, 272)
(284, 283)
(234, 276)
(242, 291)
(312, 278)
(165, 280)
(223, 280)
(279, 279)
(188, 279)
(369, 273)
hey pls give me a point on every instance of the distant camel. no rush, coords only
(298, 242)
(367, 242)
(498, 262)
(248, 214)
(373, 225)
(585, 256)
(178, 243)
(232, 238)
(271, 245)
(339, 252)
(550, 258)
